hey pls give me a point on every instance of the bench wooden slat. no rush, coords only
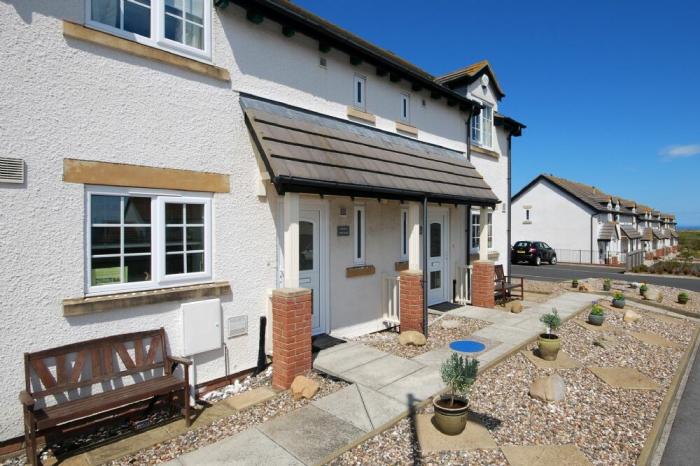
(61, 372)
(43, 373)
(124, 355)
(152, 350)
(138, 351)
(96, 361)
(108, 360)
(78, 367)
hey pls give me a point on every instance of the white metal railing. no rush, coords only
(464, 284)
(390, 299)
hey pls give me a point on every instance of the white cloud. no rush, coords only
(680, 151)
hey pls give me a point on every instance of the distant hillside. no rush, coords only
(691, 240)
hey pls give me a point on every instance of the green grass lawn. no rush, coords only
(690, 240)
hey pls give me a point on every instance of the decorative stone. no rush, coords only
(605, 341)
(411, 337)
(652, 294)
(548, 389)
(516, 307)
(625, 377)
(631, 316)
(583, 288)
(304, 387)
(450, 323)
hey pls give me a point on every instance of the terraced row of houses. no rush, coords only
(587, 225)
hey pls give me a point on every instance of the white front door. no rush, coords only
(437, 257)
(310, 262)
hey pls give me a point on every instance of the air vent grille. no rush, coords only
(11, 170)
(237, 326)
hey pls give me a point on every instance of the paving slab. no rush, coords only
(665, 318)
(494, 353)
(625, 377)
(248, 448)
(382, 371)
(474, 436)
(310, 433)
(489, 315)
(250, 398)
(504, 334)
(361, 406)
(421, 384)
(128, 445)
(654, 339)
(563, 361)
(531, 455)
(433, 357)
(336, 361)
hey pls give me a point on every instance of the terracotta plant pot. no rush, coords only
(618, 303)
(596, 319)
(548, 345)
(450, 419)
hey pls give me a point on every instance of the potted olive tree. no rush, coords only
(618, 300)
(459, 374)
(683, 297)
(549, 343)
(597, 315)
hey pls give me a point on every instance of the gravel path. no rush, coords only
(608, 425)
(439, 337)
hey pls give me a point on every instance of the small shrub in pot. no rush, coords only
(618, 300)
(597, 315)
(643, 289)
(607, 283)
(683, 297)
(451, 410)
(574, 283)
(548, 343)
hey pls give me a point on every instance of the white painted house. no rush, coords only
(175, 164)
(586, 225)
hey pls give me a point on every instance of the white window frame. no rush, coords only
(475, 229)
(482, 128)
(528, 215)
(361, 102)
(158, 277)
(403, 240)
(405, 109)
(157, 38)
(489, 227)
(358, 239)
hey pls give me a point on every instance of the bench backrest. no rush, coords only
(500, 276)
(90, 362)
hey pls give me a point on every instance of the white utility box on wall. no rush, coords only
(201, 327)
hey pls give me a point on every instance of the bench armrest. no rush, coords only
(26, 399)
(179, 360)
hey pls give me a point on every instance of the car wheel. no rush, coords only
(553, 260)
(538, 261)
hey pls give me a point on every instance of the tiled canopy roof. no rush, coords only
(630, 231)
(608, 232)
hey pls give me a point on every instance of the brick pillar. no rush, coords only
(483, 287)
(291, 335)
(411, 300)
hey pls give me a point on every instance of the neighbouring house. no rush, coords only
(587, 225)
(194, 167)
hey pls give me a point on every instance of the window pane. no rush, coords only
(195, 262)
(105, 209)
(194, 36)
(137, 239)
(106, 12)
(306, 246)
(137, 210)
(195, 213)
(137, 268)
(435, 239)
(359, 235)
(105, 240)
(195, 238)
(435, 280)
(174, 263)
(195, 11)
(174, 7)
(173, 213)
(173, 28)
(359, 92)
(105, 270)
(173, 239)
(137, 18)
(404, 233)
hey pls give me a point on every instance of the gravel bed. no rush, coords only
(608, 425)
(439, 337)
(228, 426)
(670, 294)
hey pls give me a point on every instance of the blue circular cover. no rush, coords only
(467, 346)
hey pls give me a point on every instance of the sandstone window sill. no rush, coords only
(406, 128)
(359, 271)
(94, 304)
(400, 266)
(360, 115)
(482, 151)
(78, 31)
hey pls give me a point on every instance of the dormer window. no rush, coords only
(482, 127)
(180, 25)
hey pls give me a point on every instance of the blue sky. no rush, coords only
(609, 90)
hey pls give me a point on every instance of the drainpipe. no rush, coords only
(469, 137)
(425, 265)
(592, 238)
(510, 243)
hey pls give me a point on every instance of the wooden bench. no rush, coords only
(125, 369)
(504, 285)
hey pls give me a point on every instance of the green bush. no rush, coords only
(682, 297)
(618, 295)
(551, 320)
(459, 374)
(607, 284)
(574, 283)
(643, 288)
(597, 310)
(642, 268)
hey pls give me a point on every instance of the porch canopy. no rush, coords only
(311, 153)
(630, 232)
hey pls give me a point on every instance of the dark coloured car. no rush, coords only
(534, 252)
